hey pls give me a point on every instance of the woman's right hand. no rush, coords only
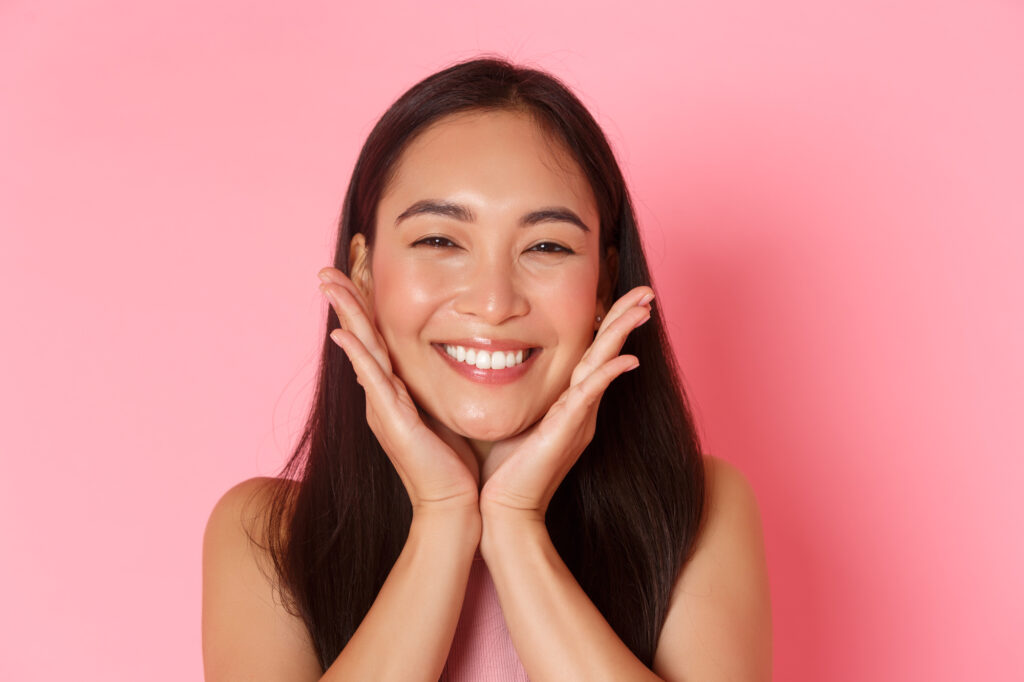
(437, 467)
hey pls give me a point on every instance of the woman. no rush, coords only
(498, 434)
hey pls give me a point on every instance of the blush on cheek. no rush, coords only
(408, 279)
(575, 304)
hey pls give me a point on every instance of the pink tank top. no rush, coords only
(482, 649)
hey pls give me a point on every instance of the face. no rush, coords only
(485, 271)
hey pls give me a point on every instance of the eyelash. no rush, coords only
(558, 248)
(447, 243)
(430, 241)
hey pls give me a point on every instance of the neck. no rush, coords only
(481, 448)
(482, 451)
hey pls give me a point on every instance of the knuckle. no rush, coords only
(578, 393)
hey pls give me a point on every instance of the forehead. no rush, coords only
(499, 159)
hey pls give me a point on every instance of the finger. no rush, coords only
(336, 276)
(637, 296)
(589, 390)
(353, 319)
(577, 406)
(377, 384)
(608, 343)
(332, 277)
(625, 315)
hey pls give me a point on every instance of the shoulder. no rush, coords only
(244, 505)
(247, 629)
(719, 620)
(731, 501)
(236, 530)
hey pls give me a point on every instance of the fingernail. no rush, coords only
(324, 276)
(636, 363)
(646, 299)
(336, 336)
(640, 322)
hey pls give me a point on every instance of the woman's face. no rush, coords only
(486, 246)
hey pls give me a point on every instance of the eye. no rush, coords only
(435, 242)
(551, 247)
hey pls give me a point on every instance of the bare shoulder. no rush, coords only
(245, 503)
(719, 621)
(730, 495)
(247, 630)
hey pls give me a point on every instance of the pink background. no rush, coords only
(831, 195)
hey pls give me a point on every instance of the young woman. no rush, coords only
(500, 478)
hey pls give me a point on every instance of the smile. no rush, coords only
(482, 359)
(494, 366)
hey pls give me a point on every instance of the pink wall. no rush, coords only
(832, 197)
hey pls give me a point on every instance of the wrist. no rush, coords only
(503, 515)
(461, 523)
(503, 529)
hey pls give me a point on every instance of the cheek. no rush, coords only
(571, 305)
(403, 296)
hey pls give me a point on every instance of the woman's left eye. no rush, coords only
(551, 247)
(436, 242)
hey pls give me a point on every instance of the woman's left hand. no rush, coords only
(532, 464)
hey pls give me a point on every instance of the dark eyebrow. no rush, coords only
(460, 212)
(554, 214)
(443, 208)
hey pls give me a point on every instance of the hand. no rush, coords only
(438, 469)
(531, 465)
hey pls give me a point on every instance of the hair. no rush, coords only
(625, 518)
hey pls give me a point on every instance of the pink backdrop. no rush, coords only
(831, 194)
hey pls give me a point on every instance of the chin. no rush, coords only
(485, 428)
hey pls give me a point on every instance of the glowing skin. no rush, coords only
(485, 279)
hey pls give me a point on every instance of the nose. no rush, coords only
(492, 293)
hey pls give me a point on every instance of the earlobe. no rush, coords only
(359, 266)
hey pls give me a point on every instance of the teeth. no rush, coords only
(482, 359)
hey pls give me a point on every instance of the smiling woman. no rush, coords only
(500, 477)
(490, 267)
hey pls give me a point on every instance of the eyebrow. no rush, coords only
(449, 209)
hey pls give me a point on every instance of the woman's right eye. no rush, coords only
(436, 242)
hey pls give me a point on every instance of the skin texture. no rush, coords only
(480, 461)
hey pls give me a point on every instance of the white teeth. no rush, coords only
(482, 359)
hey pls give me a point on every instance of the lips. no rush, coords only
(488, 363)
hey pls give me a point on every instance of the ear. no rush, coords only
(606, 282)
(359, 267)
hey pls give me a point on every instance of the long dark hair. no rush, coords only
(626, 517)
